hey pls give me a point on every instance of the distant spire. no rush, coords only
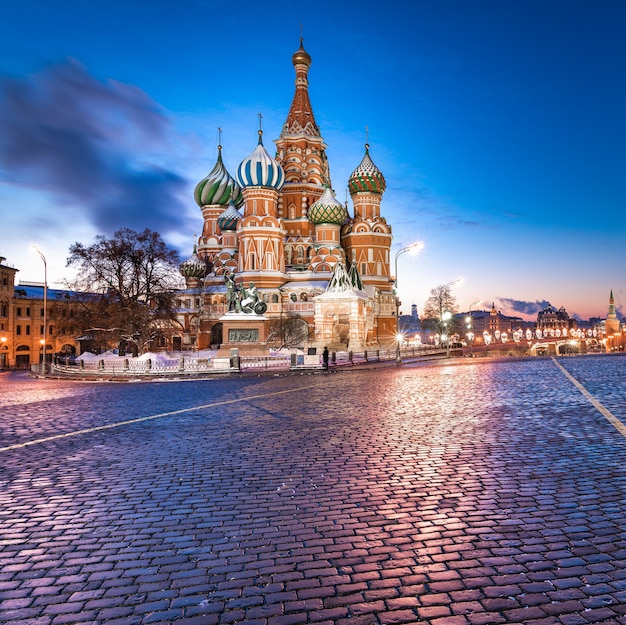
(611, 314)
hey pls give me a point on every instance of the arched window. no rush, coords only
(4, 309)
(303, 297)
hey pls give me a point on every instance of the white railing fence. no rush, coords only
(195, 365)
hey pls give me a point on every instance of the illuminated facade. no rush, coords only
(277, 224)
(552, 319)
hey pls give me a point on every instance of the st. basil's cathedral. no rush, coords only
(277, 227)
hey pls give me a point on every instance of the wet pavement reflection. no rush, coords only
(460, 493)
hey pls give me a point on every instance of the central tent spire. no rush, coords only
(300, 119)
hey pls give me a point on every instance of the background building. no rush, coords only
(22, 322)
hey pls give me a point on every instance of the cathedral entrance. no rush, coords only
(217, 334)
(341, 330)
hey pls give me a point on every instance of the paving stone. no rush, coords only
(310, 500)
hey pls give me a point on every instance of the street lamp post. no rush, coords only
(45, 308)
(414, 247)
(470, 327)
(446, 316)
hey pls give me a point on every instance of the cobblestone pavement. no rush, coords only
(459, 494)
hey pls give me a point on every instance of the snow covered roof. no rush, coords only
(36, 292)
(306, 284)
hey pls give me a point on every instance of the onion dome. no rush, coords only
(260, 169)
(301, 56)
(367, 177)
(328, 210)
(194, 266)
(229, 218)
(219, 187)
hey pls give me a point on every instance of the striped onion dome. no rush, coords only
(260, 169)
(194, 266)
(367, 177)
(219, 187)
(229, 218)
(328, 210)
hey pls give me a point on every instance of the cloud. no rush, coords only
(91, 144)
(516, 307)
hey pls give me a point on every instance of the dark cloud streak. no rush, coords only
(90, 144)
(514, 306)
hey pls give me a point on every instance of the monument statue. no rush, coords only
(242, 300)
(251, 302)
(233, 300)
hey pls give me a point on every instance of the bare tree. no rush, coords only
(130, 280)
(439, 302)
(283, 332)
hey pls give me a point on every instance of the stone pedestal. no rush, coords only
(246, 332)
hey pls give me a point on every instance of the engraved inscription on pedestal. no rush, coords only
(243, 335)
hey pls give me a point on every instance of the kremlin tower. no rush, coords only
(612, 325)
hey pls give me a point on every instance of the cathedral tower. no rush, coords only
(213, 194)
(260, 232)
(301, 152)
(367, 236)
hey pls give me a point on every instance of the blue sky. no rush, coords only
(499, 127)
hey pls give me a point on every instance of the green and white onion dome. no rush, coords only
(194, 266)
(260, 169)
(219, 187)
(229, 218)
(367, 177)
(328, 210)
